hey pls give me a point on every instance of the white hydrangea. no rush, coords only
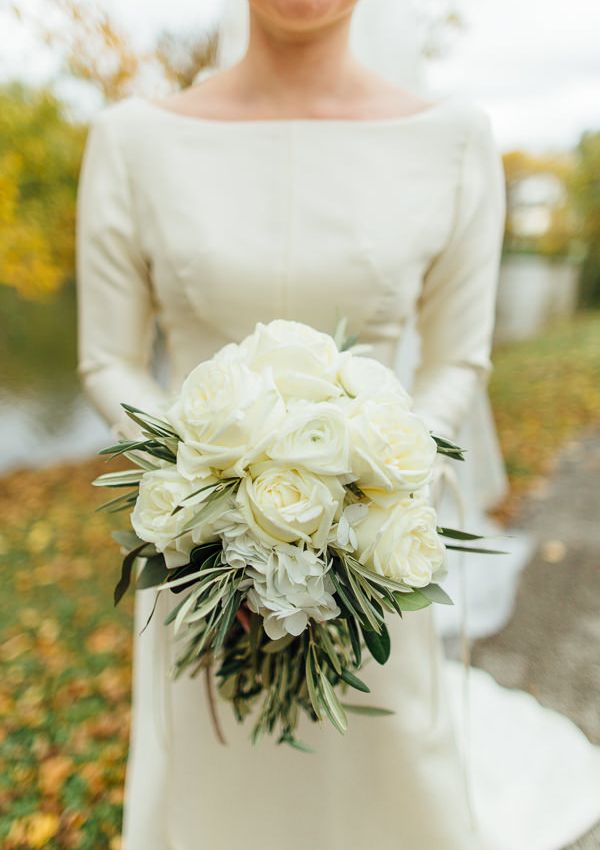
(289, 584)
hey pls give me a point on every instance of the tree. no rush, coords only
(585, 191)
(95, 49)
(40, 155)
(557, 240)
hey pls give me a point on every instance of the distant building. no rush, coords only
(532, 204)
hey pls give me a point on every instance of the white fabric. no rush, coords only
(490, 584)
(388, 36)
(536, 778)
(212, 227)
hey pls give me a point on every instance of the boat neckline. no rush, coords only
(438, 106)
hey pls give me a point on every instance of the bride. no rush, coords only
(298, 183)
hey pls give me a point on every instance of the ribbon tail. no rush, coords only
(448, 474)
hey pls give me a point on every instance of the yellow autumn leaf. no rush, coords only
(34, 831)
(52, 774)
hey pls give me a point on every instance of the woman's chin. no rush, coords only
(299, 15)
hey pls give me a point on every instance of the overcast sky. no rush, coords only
(534, 64)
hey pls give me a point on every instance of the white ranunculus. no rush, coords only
(313, 435)
(343, 533)
(283, 505)
(402, 543)
(153, 520)
(222, 411)
(365, 377)
(391, 449)
(290, 587)
(305, 362)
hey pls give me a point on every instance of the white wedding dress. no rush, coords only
(211, 227)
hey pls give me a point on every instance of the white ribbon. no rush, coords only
(448, 475)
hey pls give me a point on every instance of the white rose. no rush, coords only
(282, 505)
(366, 377)
(153, 520)
(290, 587)
(222, 411)
(314, 436)
(391, 449)
(402, 542)
(304, 361)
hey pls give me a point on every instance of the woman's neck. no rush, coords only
(299, 71)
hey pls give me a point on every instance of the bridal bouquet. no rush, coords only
(283, 501)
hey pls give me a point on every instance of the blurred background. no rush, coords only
(65, 652)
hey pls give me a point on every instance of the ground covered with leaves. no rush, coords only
(543, 392)
(66, 656)
(66, 652)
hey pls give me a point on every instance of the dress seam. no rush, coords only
(287, 265)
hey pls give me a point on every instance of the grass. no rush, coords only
(66, 652)
(543, 392)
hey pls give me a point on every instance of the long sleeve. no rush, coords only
(115, 304)
(456, 309)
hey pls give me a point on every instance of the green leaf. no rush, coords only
(127, 539)
(210, 508)
(476, 550)
(413, 601)
(158, 450)
(173, 612)
(458, 535)
(375, 578)
(146, 420)
(365, 607)
(339, 334)
(355, 682)
(312, 687)
(183, 609)
(141, 461)
(449, 448)
(209, 604)
(125, 446)
(378, 644)
(147, 623)
(344, 597)
(278, 645)
(288, 738)
(126, 567)
(190, 570)
(353, 631)
(229, 611)
(218, 486)
(329, 648)
(435, 593)
(120, 503)
(369, 710)
(153, 573)
(349, 342)
(124, 478)
(188, 580)
(201, 553)
(393, 606)
(332, 705)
